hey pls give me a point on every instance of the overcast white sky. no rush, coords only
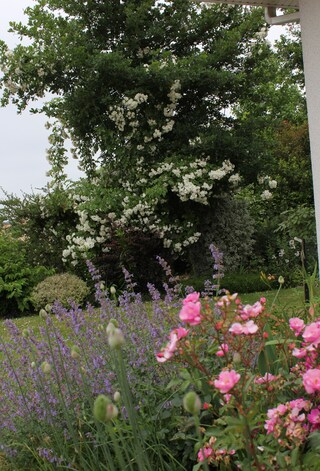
(23, 138)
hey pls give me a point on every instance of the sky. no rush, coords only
(23, 138)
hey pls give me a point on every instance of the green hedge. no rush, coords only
(234, 282)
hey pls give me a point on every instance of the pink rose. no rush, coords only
(314, 417)
(311, 333)
(224, 348)
(191, 298)
(181, 332)
(311, 381)
(249, 328)
(226, 381)
(168, 351)
(251, 311)
(265, 379)
(299, 352)
(204, 453)
(236, 328)
(300, 403)
(297, 325)
(190, 313)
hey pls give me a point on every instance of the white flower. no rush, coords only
(266, 195)
(234, 179)
(273, 184)
(217, 174)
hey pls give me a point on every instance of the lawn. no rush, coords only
(291, 298)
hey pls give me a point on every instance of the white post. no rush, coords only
(310, 30)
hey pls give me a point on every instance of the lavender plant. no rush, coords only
(53, 376)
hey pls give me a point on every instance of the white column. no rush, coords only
(310, 28)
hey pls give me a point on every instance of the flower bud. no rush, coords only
(236, 357)
(46, 367)
(192, 403)
(33, 364)
(116, 396)
(111, 411)
(280, 280)
(48, 307)
(111, 326)
(75, 352)
(43, 314)
(100, 407)
(116, 339)
(113, 290)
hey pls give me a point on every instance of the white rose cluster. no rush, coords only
(129, 118)
(268, 182)
(125, 113)
(197, 184)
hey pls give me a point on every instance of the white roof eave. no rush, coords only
(259, 3)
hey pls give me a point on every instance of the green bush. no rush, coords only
(247, 283)
(64, 287)
(17, 277)
(229, 226)
(243, 282)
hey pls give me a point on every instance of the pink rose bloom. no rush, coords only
(281, 409)
(190, 313)
(226, 381)
(225, 300)
(311, 381)
(181, 332)
(168, 351)
(227, 398)
(191, 298)
(311, 333)
(314, 417)
(224, 348)
(204, 453)
(299, 352)
(265, 379)
(299, 404)
(236, 328)
(249, 328)
(251, 311)
(297, 325)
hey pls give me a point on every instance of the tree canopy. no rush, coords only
(155, 96)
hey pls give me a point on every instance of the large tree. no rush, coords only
(146, 90)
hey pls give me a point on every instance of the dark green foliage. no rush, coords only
(230, 227)
(43, 221)
(64, 288)
(243, 282)
(17, 276)
(137, 252)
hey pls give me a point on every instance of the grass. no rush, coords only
(291, 298)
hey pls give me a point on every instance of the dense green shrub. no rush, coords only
(17, 277)
(230, 227)
(242, 282)
(64, 287)
(43, 220)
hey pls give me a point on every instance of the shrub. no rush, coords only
(230, 227)
(255, 383)
(17, 277)
(242, 282)
(64, 287)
